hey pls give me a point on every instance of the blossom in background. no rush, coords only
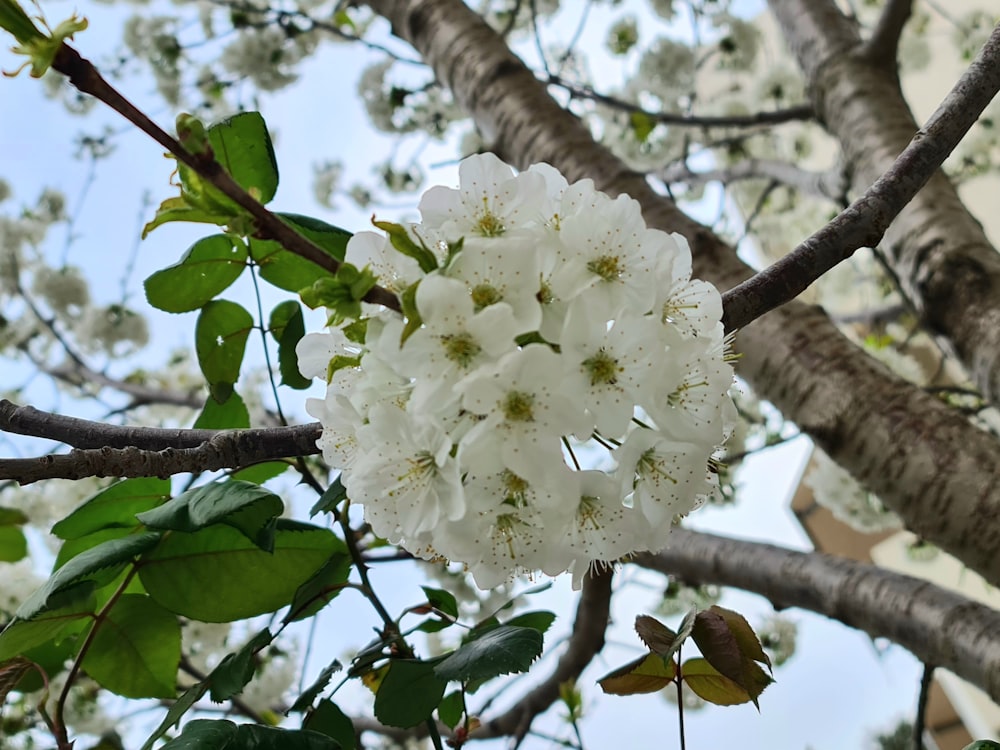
(556, 394)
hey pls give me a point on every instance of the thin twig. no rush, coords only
(864, 222)
(920, 721)
(882, 46)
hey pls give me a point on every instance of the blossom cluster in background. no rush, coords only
(554, 395)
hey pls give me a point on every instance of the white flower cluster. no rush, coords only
(558, 398)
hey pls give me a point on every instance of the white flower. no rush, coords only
(489, 202)
(316, 350)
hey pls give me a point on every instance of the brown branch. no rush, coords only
(939, 626)
(109, 450)
(86, 78)
(882, 46)
(801, 112)
(865, 221)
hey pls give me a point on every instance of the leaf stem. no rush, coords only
(679, 679)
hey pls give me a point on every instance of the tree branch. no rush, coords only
(865, 221)
(939, 626)
(86, 78)
(831, 184)
(801, 112)
(882, 46)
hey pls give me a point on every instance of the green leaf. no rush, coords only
(174, 714)
(262, 472)
(257, 737)
(403, 242)
(237, 669)
(441, 600)
(539, 620)
(220, 340)
(304, 702)
(13, 545)
(450, 709)
(114, 507)
(230, 414)
(340, 294)
(323, 587)
(408, 303)
(983, 745)
(286, 270)
(247, 507)
(203, 734)
(288, 327)
(502, 650)
(180, 208)
(328, 719)
(642, 125)
(409, 693)
(208, 267)
(73, 547)
(21, 636)
(335, 494)
(218, 575)
(243, 146)
(78, 578)
(647, 674)
(708, 683)
(51, 657)
(136, 649)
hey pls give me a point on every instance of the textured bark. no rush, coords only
(925, 461)
(940, 627)
(936, 247)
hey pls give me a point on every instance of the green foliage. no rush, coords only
(237, 669)
(329, 720)
(220, 341)
(730, 646)
(232, 413)
(323, 586)
(713, 686)
(208, 267)
(220, 734)
(451, 708)
(244, 581)
(135, 649)
(647, 674)
(13, 545)
(502, 650)
(305, 701)
(114, 507)
(286, 270)
(340, 294)
(403, 242)
(332, 496)
(409, 693)
(288, 327)
(246, 507)
(243, 147)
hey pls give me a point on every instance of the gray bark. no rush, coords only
(944, 261)
(926, 462)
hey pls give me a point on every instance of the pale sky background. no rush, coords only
(836, 691)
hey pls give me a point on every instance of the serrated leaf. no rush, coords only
(180, 208)
(450, 709)
(230, 414)
(401, 240)
(176, 712)
(218, 575)
(286, 270)
(708, 683)
(114, 507)
(220, 340)
(539, 620)
(21, 636)
(257, 737)
(502, 650)
(13, 544)
(409, 693)
(237, 669)
(208, 268)
(657, 636)
(203, 734)
(647, 674)
(243, 146)
(305, 700)
(728, 643)
(246, 507)
(329, 720)
(746, 638)
(335, 494)
(441, 600)
(135, 649)
(78, 578)
(323, 587)
(288, 327)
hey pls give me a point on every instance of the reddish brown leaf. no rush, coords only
(647, 674)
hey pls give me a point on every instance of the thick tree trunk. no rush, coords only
(926, 462)
(938, 250)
